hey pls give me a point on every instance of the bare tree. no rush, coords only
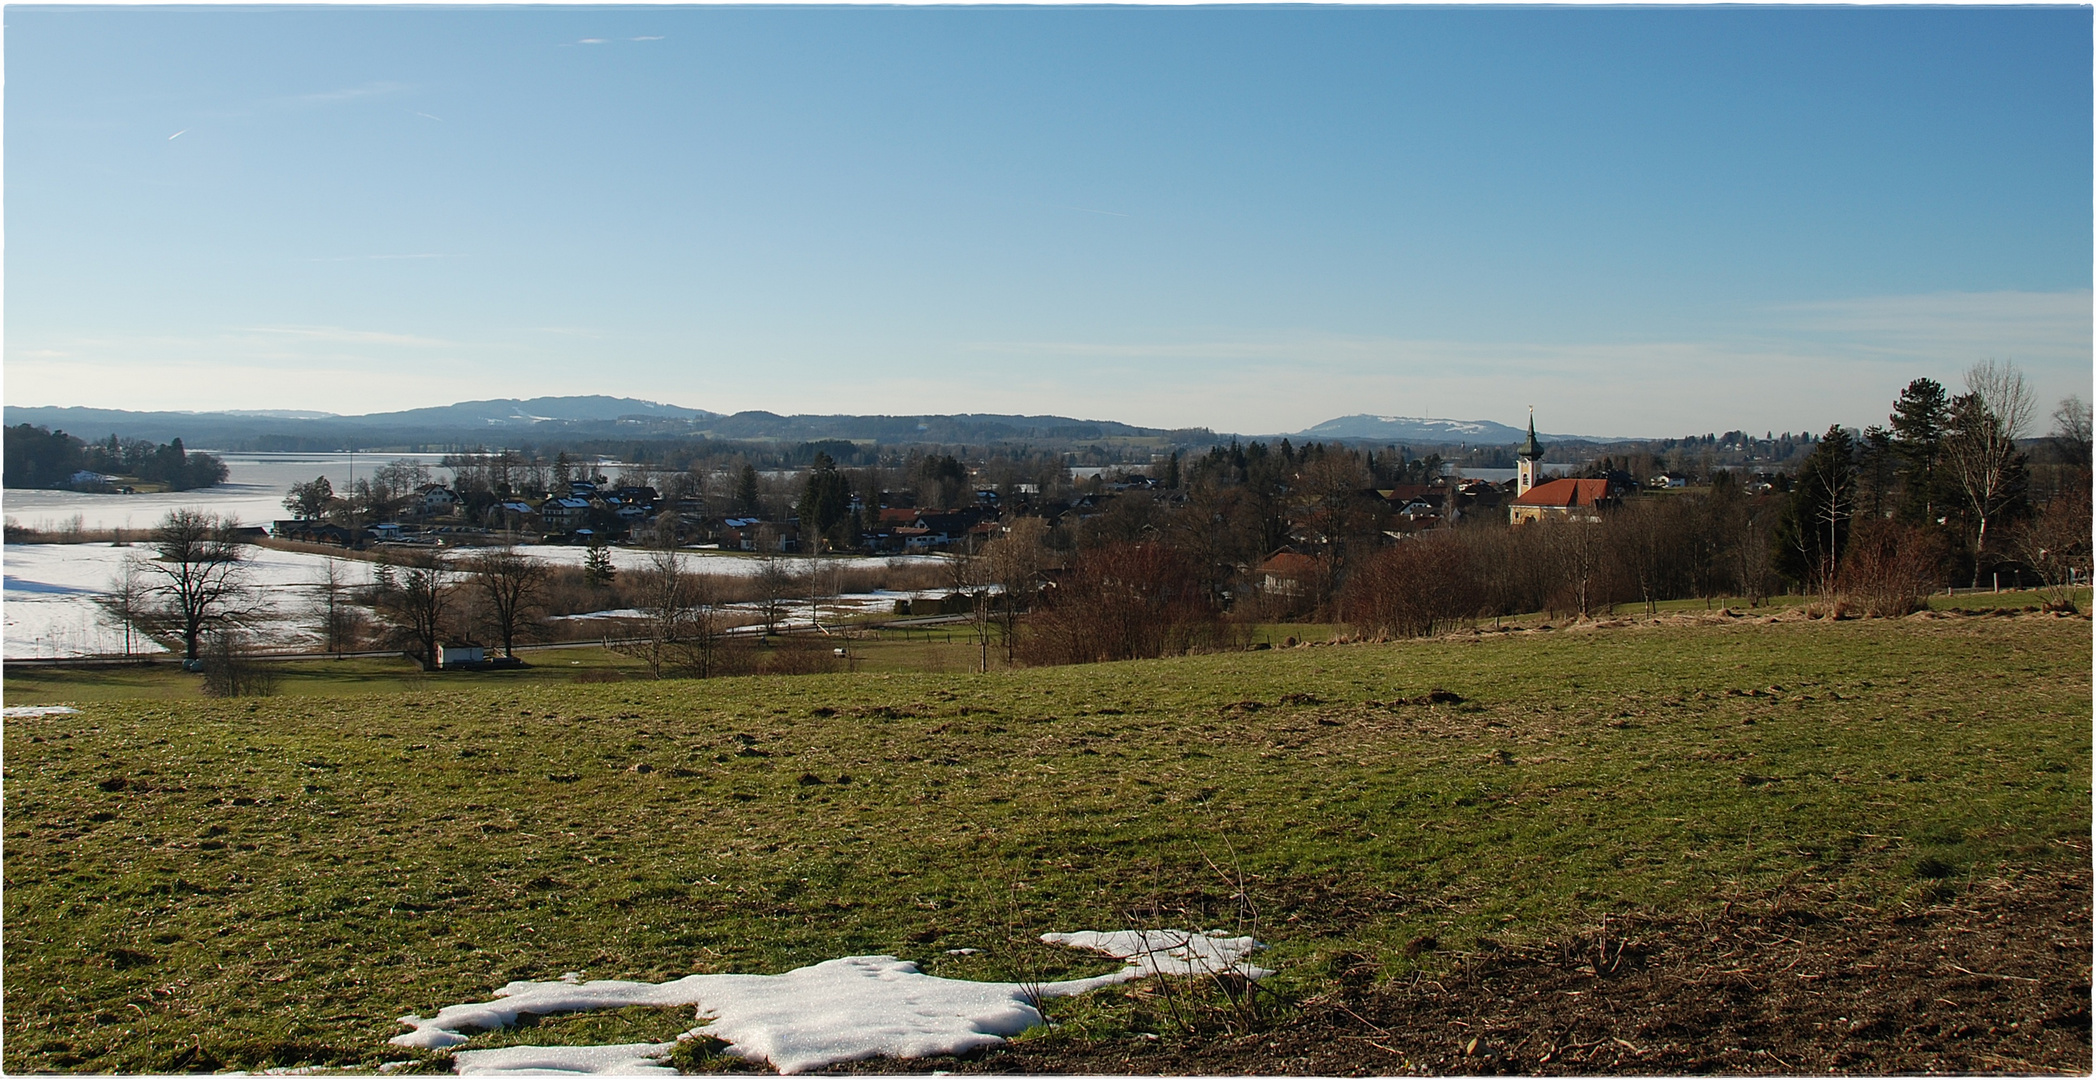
(510, 585)
(667, 607)
(128, 598)
(338, 618)
(2070, 433)
(2056, 545)
(418, 605)
(775, 579)
(1015, 563)
(198, 575)
(1990, 473)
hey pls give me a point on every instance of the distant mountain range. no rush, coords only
(509, 420)
(1367, 427)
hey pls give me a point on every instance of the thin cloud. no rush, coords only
(427, 116)
(363, 258)
(177, 135)
(647, 37)
(351, 93)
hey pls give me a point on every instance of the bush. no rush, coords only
(1413, 589)
(1889, 570)
(1123, 602)
(231, 670)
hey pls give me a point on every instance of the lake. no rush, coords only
(253, 492)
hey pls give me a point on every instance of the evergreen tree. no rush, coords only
(746, 491)
(1918, 421)
(825, 501)
(1815, 524)
(596, 566)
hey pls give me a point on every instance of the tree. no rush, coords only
(747, 499)
(666, 602)
(309, 500)
(825, 502)
(2055, 544)
(597, 569)
(338, 619)
(1991, 476)
(199, 574)
(775, 579)
(128, 597)
(509, 585)
(1815, 525)
(1016, 560)
(1916, 437)
(419, 606)
(2070, 435)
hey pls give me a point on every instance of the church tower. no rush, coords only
(1531, 455)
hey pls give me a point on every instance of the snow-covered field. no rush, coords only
(51, 609)
(51, 598)
(839, 1010)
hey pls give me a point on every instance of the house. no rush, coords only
(457, 654)
(88, 478)
(436, 500)
(1668, 480)
(1566, 498)
(564, 515)
(308, 531)
(1286, 573)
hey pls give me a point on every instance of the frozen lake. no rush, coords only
(51, 603)
(253, 492)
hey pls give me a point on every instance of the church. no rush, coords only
(1565, 498)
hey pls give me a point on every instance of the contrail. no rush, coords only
(177, 135)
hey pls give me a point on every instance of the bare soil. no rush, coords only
(1991, 977)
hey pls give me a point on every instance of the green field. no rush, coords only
(247, 883)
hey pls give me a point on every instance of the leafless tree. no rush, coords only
(128, 598)
(1016, 560)
(775, 579)
(2055, 544)
(419, 605)
(199, 574)
(338, 617)
(1980, 448)
(510, 585)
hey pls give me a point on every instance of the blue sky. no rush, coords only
(1641, 221)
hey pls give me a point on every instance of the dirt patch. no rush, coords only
(1992, 980)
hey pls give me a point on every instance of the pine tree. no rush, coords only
(596, 566)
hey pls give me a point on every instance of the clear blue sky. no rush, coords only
(1641, 221)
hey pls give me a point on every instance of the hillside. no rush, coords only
(1528, 821)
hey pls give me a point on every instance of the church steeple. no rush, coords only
(1531, 455)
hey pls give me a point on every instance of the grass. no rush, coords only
(248, 883)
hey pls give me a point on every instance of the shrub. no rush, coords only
(1413, 589)
(1889, 569)
(1123, 602)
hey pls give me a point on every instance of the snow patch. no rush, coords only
(37, 710)
(1169, 952)
(839, 1010)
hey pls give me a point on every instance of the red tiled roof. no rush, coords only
(1288, 562)
(1565, 492)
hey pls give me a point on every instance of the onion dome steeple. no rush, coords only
(1531, 448)
(1531, 455)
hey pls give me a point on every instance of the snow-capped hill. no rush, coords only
(1413, 429)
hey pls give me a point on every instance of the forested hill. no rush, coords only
(540, 420)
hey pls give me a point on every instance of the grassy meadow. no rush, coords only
(196, 884)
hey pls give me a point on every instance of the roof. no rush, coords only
(1531, 448)
(1565, 492)
(1288, 562)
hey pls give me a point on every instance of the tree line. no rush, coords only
(37, 457)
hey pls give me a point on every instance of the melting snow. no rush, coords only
(37, 710)
(839, 1010)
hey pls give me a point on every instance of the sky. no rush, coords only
(1640, 221)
